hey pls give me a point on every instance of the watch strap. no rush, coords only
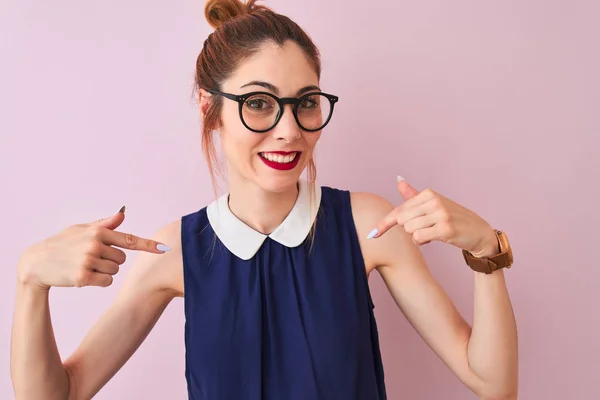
(487, 265)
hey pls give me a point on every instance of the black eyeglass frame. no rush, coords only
(295, 101)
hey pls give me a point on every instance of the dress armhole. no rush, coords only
(356, 250)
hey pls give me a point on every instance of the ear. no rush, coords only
(204, 101)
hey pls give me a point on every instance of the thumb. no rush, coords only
(405, 189)
(113, 221)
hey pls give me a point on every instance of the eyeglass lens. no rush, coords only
(261, 111)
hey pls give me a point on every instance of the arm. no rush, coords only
(483, 357)
(37, 370)
(32, 341)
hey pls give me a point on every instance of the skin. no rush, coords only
(483, 357)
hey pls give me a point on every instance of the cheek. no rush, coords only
(230, 120)
(239, 145)
(312, 139)
(232, 133)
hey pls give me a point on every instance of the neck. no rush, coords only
(261, 210)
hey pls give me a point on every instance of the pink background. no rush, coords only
(494, 104)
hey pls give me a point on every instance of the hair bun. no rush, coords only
(217, 12)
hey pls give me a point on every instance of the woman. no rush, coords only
(274, 273)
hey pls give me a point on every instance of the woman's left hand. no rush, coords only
(429, 216)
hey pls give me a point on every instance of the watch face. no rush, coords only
(503, 241)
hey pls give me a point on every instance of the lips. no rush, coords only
(281, 160)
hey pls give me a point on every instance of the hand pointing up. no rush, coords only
(429, 216)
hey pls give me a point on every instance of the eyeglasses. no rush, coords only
(261, 111)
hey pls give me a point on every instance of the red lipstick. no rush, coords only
(282, 166)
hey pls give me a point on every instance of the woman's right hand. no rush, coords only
(82, 255)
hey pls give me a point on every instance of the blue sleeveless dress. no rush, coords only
(272, 317)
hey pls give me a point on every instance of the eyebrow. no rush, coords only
(275, 90)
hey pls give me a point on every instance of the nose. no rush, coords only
(287, 129)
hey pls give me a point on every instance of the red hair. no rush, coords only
(240, 30)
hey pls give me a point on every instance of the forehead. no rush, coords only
(286, 67)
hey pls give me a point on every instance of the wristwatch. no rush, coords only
(487, 265)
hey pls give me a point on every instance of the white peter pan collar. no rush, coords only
(244, 242)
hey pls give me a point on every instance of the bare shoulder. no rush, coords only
(368, 209)
(163, 272)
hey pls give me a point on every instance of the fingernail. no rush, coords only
(372, 234)
(399, 178)
(122, 210)
(162, 247)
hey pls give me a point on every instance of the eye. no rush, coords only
(259, 103)
(256, 104)
(309, 103)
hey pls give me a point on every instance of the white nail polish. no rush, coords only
(372, 234)
(399, 178)
(162, 247)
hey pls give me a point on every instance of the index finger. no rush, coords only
(133, 242)
(384, 225)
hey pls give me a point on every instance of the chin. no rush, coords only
(277, 181)
(278, 184)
